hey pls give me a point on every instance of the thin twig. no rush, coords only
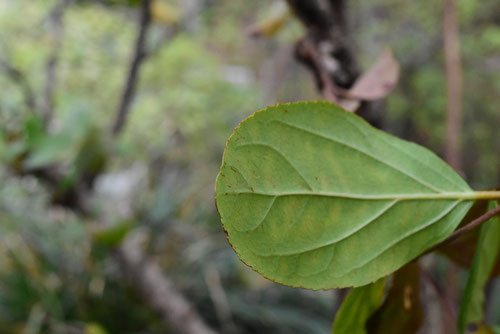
(328, 88)
(57, 27)
(453, 74)
(475, 223)
(326, 24)
(453, 83)
(326, 50)
(139, 55)
(18, 77)
(469, 227)
(158, 291)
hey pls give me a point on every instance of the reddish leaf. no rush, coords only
(349, 105)
(378, 81)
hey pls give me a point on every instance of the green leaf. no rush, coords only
(49, 150)
(113, 235)
(92, 154)
(487, 252)
(358, 306)
(34, 129)
(312, 196)
(94, 328)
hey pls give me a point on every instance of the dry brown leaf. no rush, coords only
(269, 26)
(378, 81)
(349, 105)
(163, 12)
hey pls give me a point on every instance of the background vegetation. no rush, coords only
(59, 268)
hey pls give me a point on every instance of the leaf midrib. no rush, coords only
(472, 195)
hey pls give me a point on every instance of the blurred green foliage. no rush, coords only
(200, 80)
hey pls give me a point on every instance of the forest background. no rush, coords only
(65, 71)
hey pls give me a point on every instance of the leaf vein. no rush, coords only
(400, 197)
(334, 140)
(283, 157)
(269, 208)
(338, 239)
(417, 161)
(441, 216)
(236, 170)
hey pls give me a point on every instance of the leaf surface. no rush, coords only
(312, 196)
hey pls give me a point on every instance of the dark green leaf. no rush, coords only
(401, 310)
